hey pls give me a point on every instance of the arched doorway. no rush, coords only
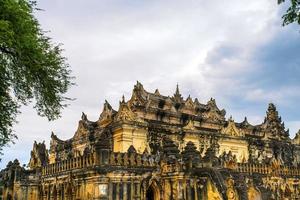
(150, 194)
(153, 192)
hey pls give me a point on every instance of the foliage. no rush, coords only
(293, 12)
(31, 67)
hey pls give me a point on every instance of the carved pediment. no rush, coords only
(232, 130)
(125, 113)
(213, 114)
(296, 140)
(189, 103)
(39, 155)
(168, 105)
(85, 127)
(138, 97)
(107, 114)
(189, 106)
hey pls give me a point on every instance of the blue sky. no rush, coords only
(235, 51)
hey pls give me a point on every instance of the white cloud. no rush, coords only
(282, 95)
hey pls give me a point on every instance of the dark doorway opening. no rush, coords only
(150, 194)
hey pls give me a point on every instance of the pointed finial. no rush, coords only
(83, 116)
(123, 99)
(138, 85)
(177, 90)
(107, 105)
(156, 92)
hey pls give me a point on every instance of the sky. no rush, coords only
(235, 51)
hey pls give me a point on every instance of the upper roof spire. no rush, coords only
(123, 99)
(177, 90)
(177, 96)
(273, 124)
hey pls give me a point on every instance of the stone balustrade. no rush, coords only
(115, 159)
(70, 164)
(267, 169)
(131, 160)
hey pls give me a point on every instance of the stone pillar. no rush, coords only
(132, 189)
(125, 191)
(195, 191)
(118, 191)
(138, 191)
(110, 190)
(189, 195)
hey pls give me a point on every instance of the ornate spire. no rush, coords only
(170, 150)
(272, 113)
(177, 96)
(273, 125)
(177, 90)
(190, 153)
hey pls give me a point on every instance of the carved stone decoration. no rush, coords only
(154, 138)
(252, 192)
(212, 191)
(231, 129)
(228, 160)
(231, 193)
(211, 153)
(189, 126)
